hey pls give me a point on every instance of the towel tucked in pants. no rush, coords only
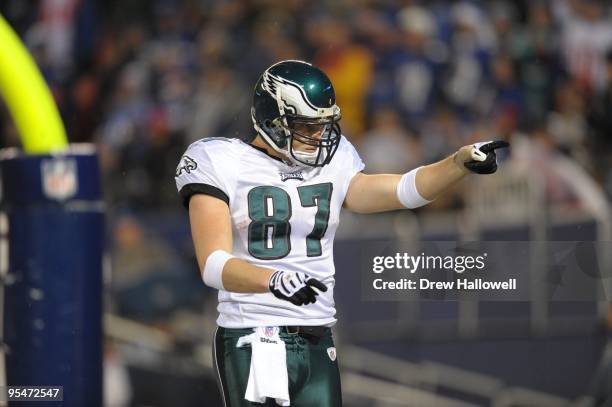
(314, 379)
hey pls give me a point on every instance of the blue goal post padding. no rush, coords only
(53, 290)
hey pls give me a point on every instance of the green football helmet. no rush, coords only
(295, 112)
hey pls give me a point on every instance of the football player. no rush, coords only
(263, 217)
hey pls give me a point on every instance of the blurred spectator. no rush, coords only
(416, 63)
(566, 183)
(586, 35)
(601, 121)
(117, 386)
(273, 42)
(162, 151)
(473, 40)
(441, 133)
(504, 22)
(56, 25)
(567, 124)
(387, 147)
(349, 66)
(535, 48)
(149, 281)
(128, 107)
(83, 113)
(221, 106)
(137, 253)
(509, 95)
(9, 137)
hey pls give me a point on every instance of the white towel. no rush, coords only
(268, 374)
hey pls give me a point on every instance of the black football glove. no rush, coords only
(295, 287)
(484, 160)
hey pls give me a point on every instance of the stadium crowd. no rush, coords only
(415, 80)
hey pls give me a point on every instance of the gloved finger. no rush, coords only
(488, 170)
(494, 145)
(310, 296)
(294, 300)
(490, 159)
(481, 168)
(274, 279)
(311, 293)
(300, 296)
(316, 284)
(284, 286)
(477, 155)
(293, 284)
(300, 277)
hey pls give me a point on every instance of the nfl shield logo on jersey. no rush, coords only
(331, 352)
(59, 178)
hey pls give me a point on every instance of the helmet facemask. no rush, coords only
(311, 141)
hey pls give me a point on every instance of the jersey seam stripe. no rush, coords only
(216, 359)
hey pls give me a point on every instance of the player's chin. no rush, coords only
(306, 149)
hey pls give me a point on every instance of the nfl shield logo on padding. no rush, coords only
(59, 178)
(331, 352)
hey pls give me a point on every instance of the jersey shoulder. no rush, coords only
(217, 153)
(214, 147)
(347, 156)
(345, 145)
(208, 166)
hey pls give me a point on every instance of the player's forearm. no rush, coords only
(433, 179)
(382, 192)
(240, 276)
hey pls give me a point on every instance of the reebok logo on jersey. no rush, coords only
(291, 175)
(266, 340)
(186, 164)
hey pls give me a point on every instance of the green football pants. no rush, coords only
(314, 379)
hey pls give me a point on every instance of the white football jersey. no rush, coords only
(284, 217)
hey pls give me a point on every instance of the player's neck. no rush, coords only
(258, 142)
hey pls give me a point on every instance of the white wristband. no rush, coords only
(213, 269)
(407, 192)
